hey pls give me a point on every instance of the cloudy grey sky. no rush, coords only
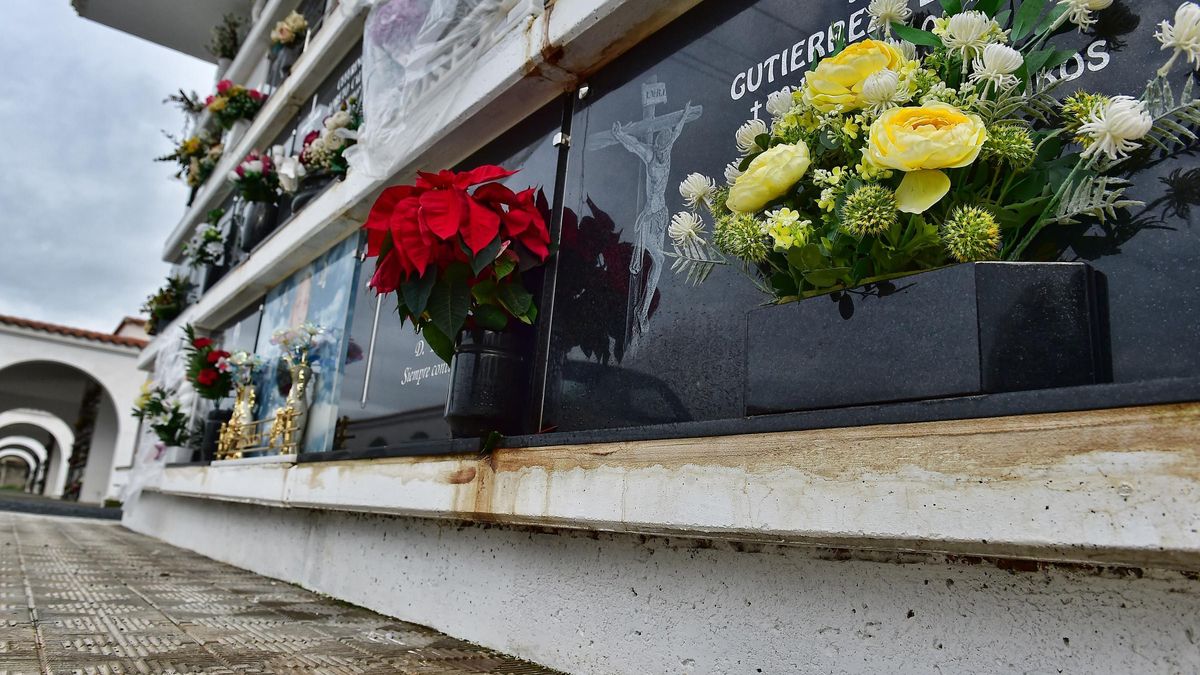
(84, 209)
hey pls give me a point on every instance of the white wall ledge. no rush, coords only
(1113, 487)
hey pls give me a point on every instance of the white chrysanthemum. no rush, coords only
(1116, 127)
(746, 134)
(1183, 36)
(779, 102)
(907, 49)
(882, 90)
(685, 227)
(886, 12)
(732, 173)
(697, 189)
(996, 66)
(214, 249)
(1079, 12)
(968, 32)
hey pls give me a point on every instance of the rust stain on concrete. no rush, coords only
(462, 475)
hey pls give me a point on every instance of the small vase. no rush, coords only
(223, 67)
(488, 379)
(257, 221)
(212, 432)
(311, 186)
(287, 433)
(236, 132)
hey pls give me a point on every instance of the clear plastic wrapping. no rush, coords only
(414, 52)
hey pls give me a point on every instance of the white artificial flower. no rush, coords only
(732, 173)
(214, 249)
(1079, 12)
(1183, 36)
(907, 49)
(779, 102)
(1116, 127)
(685, 227)
(996, 66)
(290, 171)
(968, 32)
(337, 120)
(746, 134)
(881, 91)
(697, 189)
(886, 12)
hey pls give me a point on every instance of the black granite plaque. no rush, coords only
(633, 344)
(402, 403)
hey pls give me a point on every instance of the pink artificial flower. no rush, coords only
(256, 95)
(224, 86)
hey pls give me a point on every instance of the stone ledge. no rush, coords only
(1111, 487)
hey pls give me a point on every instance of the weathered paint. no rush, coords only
(1111, 486)
(619, 603)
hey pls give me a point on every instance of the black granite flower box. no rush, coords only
(969, 329)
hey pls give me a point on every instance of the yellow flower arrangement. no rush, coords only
(921, 140)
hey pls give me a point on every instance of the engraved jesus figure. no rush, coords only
(651, 140)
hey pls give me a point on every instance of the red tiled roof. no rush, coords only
(72, 332)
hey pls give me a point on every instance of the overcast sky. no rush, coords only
(84, 209)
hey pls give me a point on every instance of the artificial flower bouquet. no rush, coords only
(323, 148)
(242, 366)
(160, 411)
(298, 343)
(256, 178)
(196, 156)
(166, 303)
(291, 30)
(913, 150)
(233, 102)
(226, 37)
(453, 247)
(208, 245)
(208, 368)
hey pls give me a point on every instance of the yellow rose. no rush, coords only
(920, 141)
(218, 103)
(769, 177)
(838, 80)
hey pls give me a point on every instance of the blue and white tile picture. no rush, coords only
(320, 293)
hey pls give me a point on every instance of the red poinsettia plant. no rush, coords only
(208, 368)
(453, 247)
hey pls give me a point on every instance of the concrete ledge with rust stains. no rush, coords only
(1116, 486)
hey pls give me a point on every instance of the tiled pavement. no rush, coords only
(87, 596)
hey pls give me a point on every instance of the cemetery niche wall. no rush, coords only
(629, 350)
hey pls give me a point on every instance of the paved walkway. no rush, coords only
(88, 596)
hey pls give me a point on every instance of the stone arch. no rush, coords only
(32, 447)
(60, 431)
(31, 464)
(112, 432)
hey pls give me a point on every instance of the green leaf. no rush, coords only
(490, 317)
(1055, 12)
(807, 257)
(415, 293)
(450, 300)
(438, 342)
(763, 141)
(989, 7)
(530, 316)
(515, 298)
(485, 291)
(505, 264)
(825, 278)
(916, 35)
(951, 7)
(1026, 18)
(486, 256)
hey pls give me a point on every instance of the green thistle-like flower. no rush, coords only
(1011, 144)
(1077, 110)
(717, 206)
(741, 235)
(971, 233)
(871, 209)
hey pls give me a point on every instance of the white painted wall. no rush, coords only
(113, 366)
(637, 605)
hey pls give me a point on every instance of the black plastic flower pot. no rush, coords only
(257, 221)
(310, 187)
(969, 329)
(489, 377)
(282, 59)
(212, 433)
